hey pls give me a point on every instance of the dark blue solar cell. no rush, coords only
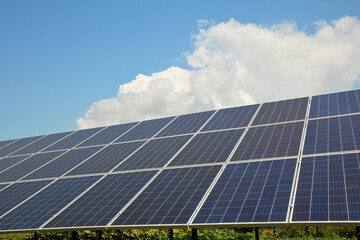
(10, 161)
(41, 207)
(231, 118)
(145, 129)
(106, 159)
(208, 148)
(64, 163)
(156, 153)
(270, 141)
(102, 202)
(3, 186)
(18, 192)
(16, 145)
(6, 142)
(250, 192)
(73, 139)
(25, 167)
(282, 111)
(333, 134)
(188, 123)
(41, 143)
(171, 198)
(335, 104)
(108, 135)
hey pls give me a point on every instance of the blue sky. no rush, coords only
(59, 57)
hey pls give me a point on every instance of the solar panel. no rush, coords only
(62, 164)
(10, 161)
(145, 130)
(335, 104)
(4, 143)
(282, 111)
(231, 118)
(270, 141)
(108, 135)
(102, 202)
(208, 148)
(250, 192)
(3, 186)
(17, 193)
(41, 143)
(188, 123)
(170, 199)
(16, 145)
(156, 153)
(30, 164)
(73, 139)
(333, 134)
(41, 207)
(106, 159)
(328, 189)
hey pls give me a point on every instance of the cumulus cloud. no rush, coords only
(235, 64)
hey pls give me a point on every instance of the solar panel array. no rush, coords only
(294, 161)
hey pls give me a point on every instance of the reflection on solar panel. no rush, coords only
(10, 161)
(282, 111)
(38, 209)
(270, 141)
(171, 198)
(30, 164)
(189, 123)
(3, 186)
(18, 192)
(108, 135)
(101, 203)
(208, 148)
(64, 163)
(328, 189)
(145, 130)
(335, 104)
(4, 143)
(156, 153)
(73, 139)
(106, 159)
(231, 118)
(250, 192)
(16, 145)
(333, 135)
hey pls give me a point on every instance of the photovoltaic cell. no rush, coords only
(250, 192)
(20, 170)
(145, 130)
(333, 134)
(41, 143)
(156, 153)
(171, 198)
(16, 145)
(106, 159)
(231, 118)
(328, 189)
(41, 207)
(18, 192)
(282, 111)
(208, 148)
(102, 202)
(63, 163)
(73, 139)
(10, 161)
(4, 143)
(335, 104)
(108, 135)
(3, 186)
(188, 123)
(270, 141)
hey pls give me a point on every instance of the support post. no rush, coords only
(36, 236)
(357, 229)
(74, 235)
(99, 235)
(194, 235)
(274, 232)
(171, 234)
(317, 231)
(307, 231)
(257, 237)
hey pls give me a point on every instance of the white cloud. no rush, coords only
(237, 64)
